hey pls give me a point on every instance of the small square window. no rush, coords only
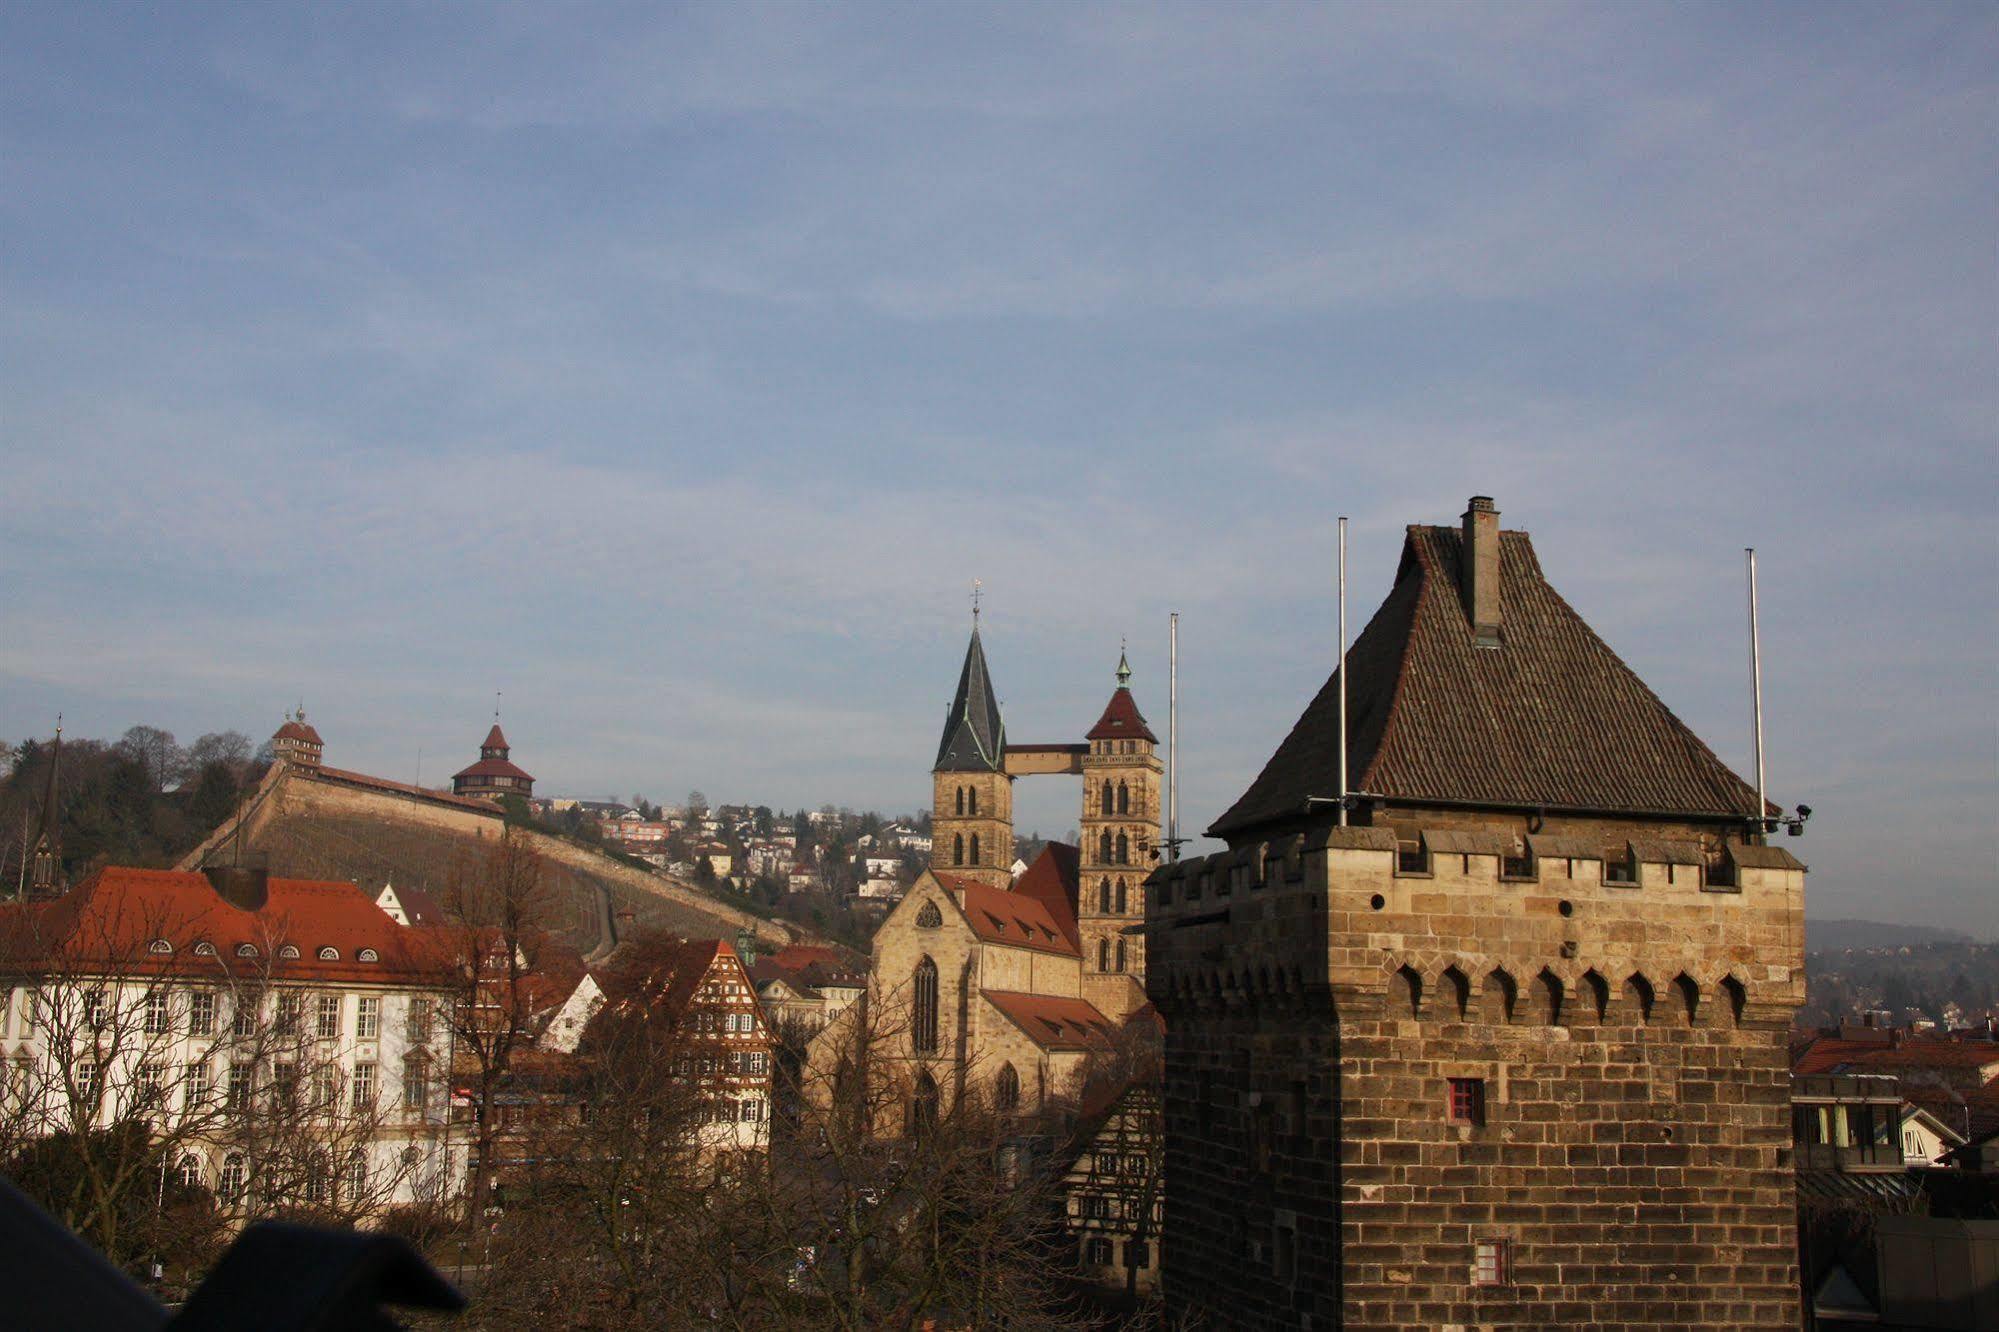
(1491, 1261)
(1467, 1101)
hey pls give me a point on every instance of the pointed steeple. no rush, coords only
(974, 736)
(41, 865)
(1122, 719)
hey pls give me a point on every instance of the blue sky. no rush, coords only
(675, 370)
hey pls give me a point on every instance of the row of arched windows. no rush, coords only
(1113, 850)
(958, 850)
(1499, 996)
(1116, 800)
(1109, 899)
(1109, 958)
(968, 801)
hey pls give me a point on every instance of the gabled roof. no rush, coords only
(1053, 1022)
(1121, 720)
(1016, 920)
(1550, 719)
(1053, 881)
(112, 919)
(974, 736)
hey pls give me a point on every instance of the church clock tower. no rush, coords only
(1120, 828)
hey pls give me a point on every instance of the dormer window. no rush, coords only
(289, 952)
(204, 949)
(329, 954)
(159, 946)
(246, 950)
(368, 955)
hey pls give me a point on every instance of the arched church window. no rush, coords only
(1104, 849)
(961, 800)
(1123, 798)
(1109, 798)
(1120, 896)
(923, 1011)
(958, 849)
(1123, 850)
(975, 850)
(1103, 955)
(1120, 955)
(1104, 896)
(923, 1106)
(971, 800)
(928, 917)
(1006, 1088)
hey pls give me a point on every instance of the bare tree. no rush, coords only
(499, 910)
(156, 751)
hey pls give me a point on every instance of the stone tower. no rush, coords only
(971, 816)
(1120, 826)
(1508, 1047)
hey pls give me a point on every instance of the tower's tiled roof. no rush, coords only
(1121, 720)
(974, 736)
(495, 738)
(1551, 718)
(297, 730)
(486, 767)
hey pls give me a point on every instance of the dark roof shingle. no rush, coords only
(1550, 719)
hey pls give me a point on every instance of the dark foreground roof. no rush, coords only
(1551, 718)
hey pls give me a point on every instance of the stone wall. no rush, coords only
(1633, 1160)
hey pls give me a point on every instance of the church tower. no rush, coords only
(1120, 827)
(971, 815)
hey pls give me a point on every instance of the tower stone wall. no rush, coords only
(1119, 827)
(971, 825)
(1617, 1153)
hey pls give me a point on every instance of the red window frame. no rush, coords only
(1467, 1101)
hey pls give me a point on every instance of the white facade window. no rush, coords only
(201, 1013)
(240, 1082)
(326, 1017)
(246, 1015)
(290, 1008)
(364, 1086)
(156, 1012)
(93, 1007)
(230, 1185)
(325, 1086)
(753, 1111)
(367, 1018)
(417, 1025)
(416, 1081)
(196, 1085)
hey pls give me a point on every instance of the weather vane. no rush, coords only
(977, 584)
(496, 706)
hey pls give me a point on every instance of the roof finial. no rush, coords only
(977, 586)
(496, 707)
(300, 714)
(1123, 666)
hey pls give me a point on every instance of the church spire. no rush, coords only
(41, 858)
(974, 736)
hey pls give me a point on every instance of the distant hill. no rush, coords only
(1835, 935)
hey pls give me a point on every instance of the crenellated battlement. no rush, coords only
(1353, 908)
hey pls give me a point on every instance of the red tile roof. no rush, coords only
(112, 920)
(495, 739)
(1055, 1023)
(486, 767)
(1052, 880)
(1549, 719)
(1001, 916)
(297, 730)
(1121, 720)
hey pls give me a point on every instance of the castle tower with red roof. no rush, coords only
(297, 743)
(1120, 822)
(494, 775)
(972, 809)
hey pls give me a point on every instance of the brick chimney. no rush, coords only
(1478, 565)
